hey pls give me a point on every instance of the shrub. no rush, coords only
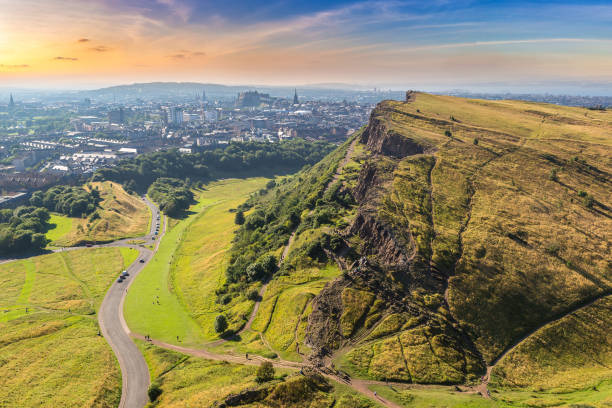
(253, 295)
(448, 133)
(265, 372)
(239, 219)
(154, 391)
(220, 324)
(475, 141)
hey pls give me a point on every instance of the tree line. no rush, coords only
(23, 229)
(234, 159)
(68, 200)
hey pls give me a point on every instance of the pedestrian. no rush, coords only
(247, 356)
(177, 339)
(376, 395)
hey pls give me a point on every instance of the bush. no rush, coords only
(220, 324)
(253, 295)
(154, 391)
(448, 133)
(239, 219)
(476, 141)
(553, 175)
(265, 372)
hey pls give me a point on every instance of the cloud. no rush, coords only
(186, 54)
(65, 59)
(13, 66)
(83, 40)
(100, 48)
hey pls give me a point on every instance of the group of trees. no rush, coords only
(172, 195)
(68, 200)
(235, 159)
(23, 229)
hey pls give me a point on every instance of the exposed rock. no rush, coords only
(383, 141)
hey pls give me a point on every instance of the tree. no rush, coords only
(220, 324)
(239, 219)
(265, 372)
(154, 391)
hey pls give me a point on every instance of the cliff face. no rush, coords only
(387, 142)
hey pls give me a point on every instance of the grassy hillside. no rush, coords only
(120, 215)
(49, 330)
(189, 267)
(460, 227)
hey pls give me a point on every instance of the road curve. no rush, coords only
(134, 370)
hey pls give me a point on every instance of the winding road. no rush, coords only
(134, 369)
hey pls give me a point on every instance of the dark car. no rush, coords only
(120, 279)
(141, 261)
(88, 245)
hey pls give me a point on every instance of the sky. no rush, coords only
(436, 44)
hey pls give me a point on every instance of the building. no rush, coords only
(11, 104)
(295, 98)
(116, 116)
(252, 99)
(176, 115)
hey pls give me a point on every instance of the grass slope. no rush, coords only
(121, 215)
(51, 355)
(188, 268)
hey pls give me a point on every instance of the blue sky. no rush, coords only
(388, 42)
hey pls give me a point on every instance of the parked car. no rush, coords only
(120, 279)
(142, 261)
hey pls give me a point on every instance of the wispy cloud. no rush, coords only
(83, 40)
(65, 59)
(14, 66)
(100, 48)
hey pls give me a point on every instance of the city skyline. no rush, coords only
(438, 45)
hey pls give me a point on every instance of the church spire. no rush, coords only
(295, 97)
(11, 102)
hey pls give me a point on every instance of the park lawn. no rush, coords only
(122, 215)
(188, 267)
(51, 355)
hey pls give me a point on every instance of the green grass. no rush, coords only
(189, 382)
(61, 225)
(192, 251)
(51, 354)
(202, 255)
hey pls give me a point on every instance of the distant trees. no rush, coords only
(235, 159)
(172, 195)
(68, 200)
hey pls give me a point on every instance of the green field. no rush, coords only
(50, 352)
(60, 226)
(187, 269)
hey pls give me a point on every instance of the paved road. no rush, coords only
(134, 370)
